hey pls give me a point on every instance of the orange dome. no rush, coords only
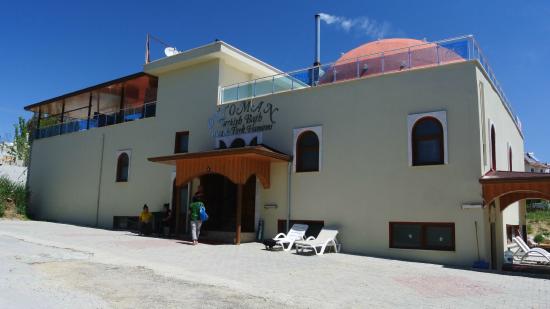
(385, 56)
(386, 46)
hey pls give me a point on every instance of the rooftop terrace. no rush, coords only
(422, 55)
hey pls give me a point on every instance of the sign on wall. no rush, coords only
(242, 118)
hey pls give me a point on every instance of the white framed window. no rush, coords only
(123, 165)
(308, 149)
(427, 138)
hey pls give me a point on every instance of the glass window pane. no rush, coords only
(428, 151)
(310, 161)
(407, 235)
(439, 236)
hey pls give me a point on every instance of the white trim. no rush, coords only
(411, 121)
(296, 133)
(118, 153)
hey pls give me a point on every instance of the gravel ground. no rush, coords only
(47, 265)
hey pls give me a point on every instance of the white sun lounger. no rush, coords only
(297, 232)
(526, 254)
(326, 238)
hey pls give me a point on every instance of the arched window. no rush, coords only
(510, 165)
(307, 152)
(493, 149)
(254, 141)
(427, 142)
(238, 143)
(123, 163)
(222, 145)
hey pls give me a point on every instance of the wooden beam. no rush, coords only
(239, 213)
(62, 117)
(176, 211)
(89, 111)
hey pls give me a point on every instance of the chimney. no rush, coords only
(317, 40)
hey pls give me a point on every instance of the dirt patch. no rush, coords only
(138, 287)
(10, 211)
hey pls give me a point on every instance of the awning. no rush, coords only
(511, 187)
(237, 164)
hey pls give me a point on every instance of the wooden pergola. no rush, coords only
(237, 164)
(511, 187)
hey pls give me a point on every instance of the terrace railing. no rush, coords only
(69, 124)
(424, 55)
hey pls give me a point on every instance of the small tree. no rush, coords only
(21, 147)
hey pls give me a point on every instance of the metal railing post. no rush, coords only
(437, 54)
(410, 59)
(357, 67)
(273, 85)
(237, 92)
(254, 89)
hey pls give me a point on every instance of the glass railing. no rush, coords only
(424, 55)
(70, 125)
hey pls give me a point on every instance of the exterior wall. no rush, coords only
(364, 129)
(507, 135)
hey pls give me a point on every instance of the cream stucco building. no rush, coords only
(388, 145)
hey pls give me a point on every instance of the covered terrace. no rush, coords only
(121, 100)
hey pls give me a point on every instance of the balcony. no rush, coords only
(70, 125)
(424, 55)
(123, 100)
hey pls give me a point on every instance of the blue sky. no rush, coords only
(52, 47)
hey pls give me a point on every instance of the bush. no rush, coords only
(539, 238)
(15, 192)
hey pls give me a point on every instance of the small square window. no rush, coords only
(182, 142)
(439, 237)
(407, 235)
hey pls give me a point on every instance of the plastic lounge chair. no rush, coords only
(526, 254)
(326, 238)
(297, 232)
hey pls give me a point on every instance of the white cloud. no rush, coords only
(362, 25)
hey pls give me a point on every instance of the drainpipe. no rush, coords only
(99, 180)
(289, 195)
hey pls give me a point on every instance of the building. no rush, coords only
(6, 158)
(408, 147)
(533, 165)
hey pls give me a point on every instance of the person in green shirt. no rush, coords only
(194, 210)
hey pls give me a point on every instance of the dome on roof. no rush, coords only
(385, 45)
(385, 56)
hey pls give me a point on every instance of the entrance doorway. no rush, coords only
(220, 195)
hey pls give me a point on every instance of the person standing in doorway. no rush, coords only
(194, 209)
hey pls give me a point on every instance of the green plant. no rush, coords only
(14, 192)
(2, 209)
(539, 238)
(21, 149)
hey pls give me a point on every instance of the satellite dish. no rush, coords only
(170, 51)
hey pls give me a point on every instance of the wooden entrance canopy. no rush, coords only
(237, 164)
(511, 187)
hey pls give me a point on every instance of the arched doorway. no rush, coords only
(220, 195)
(505, 194)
